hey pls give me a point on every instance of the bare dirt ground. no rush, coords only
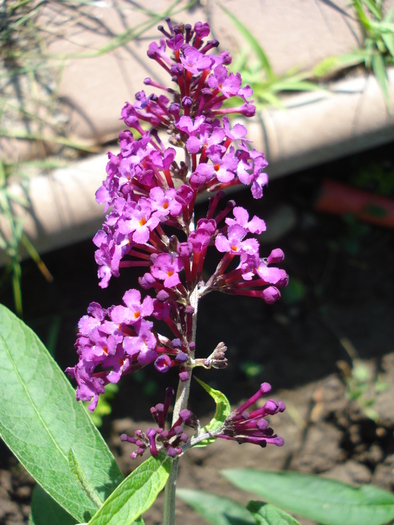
(326, 347)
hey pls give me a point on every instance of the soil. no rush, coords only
(326, 347)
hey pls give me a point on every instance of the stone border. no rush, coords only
(315, 127)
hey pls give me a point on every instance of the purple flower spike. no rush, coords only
(149, 197)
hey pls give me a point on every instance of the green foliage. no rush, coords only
(266, 514)
(12, 237)
(375, 177)
(222, 412)
(326, 501)
(377, 52)
(362, 386)
(41, 421)
(220, 510)
(136, 493)
(56, 441)
(45, 510)
(215, 509)
(378, 39)
(323, 500)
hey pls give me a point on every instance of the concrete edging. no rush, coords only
(316, 127)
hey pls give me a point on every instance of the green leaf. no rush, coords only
(40, 421)
(379, 69)
(222, 412)
(266, 514)
(388, 40)
(216, 509)
(79, 475)
(45, 510)
(326, 501)
(362, 17)
(136, 493)
(375, 10)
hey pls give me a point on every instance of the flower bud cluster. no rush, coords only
(158, 439)
(150, 196)
(252, 427)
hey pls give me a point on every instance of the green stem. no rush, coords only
(169, 495)
(181, 401)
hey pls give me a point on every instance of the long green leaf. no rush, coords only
(326, 501)
(388, 40)
(267, 514)
(362, 17)
(379, 69)
(45, 510)
(216, 509)
(375, 10)
(40, 421)
(135, 494)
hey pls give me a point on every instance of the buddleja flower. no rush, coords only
(149, 195)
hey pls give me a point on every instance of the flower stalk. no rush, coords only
(150, 197)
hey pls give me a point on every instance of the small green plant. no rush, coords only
(362, 383)
(12, 238)
(377, 51)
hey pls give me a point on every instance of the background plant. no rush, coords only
(376, 51)
(325, 501)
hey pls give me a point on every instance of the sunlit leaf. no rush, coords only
(323, 500)
(136, 493)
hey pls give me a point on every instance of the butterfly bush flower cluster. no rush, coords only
(179, 144)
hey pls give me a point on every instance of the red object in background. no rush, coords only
(340, 199)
